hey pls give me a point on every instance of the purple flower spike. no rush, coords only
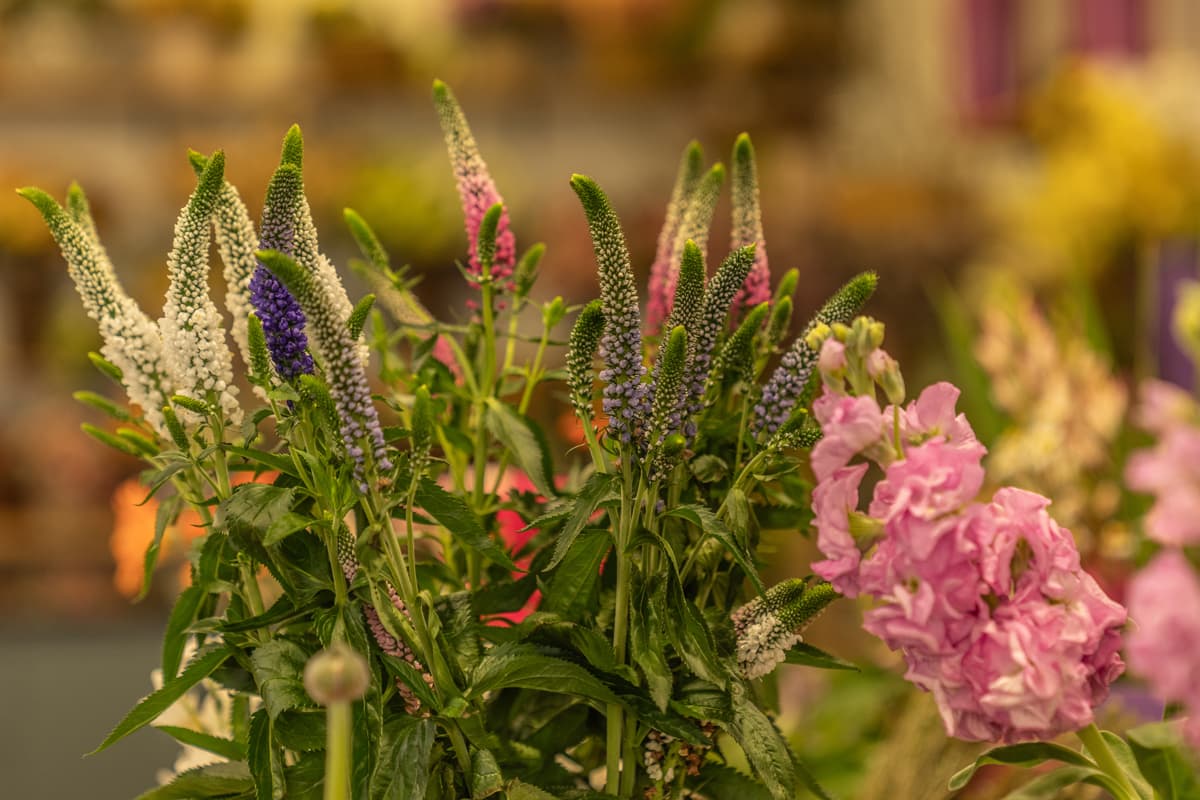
(281, 315)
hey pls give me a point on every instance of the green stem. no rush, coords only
(614, 743)
(1093, 740)
(459, 743)
(337, 751)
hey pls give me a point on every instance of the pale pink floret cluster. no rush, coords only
(1171, 469)
(1164, 597)
(1164, 647)
(986, 601)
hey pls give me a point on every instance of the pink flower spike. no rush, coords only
(476, 190)
(1164, 647)
(1162, 406)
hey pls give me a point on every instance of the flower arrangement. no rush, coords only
(408, 595)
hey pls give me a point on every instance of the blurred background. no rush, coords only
(1024, 176)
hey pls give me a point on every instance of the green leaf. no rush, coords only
(183, 614)
(717, 780)
(648, 645)
(708, 522)
(763, 745)
(453, 514)
(284, 526)
(403, 769)
(103, 405)
(115, 442)
(486, 779)
(690, 636)
(515, 433)
(1124, 756)
(504, 667)
(527, 791)
(302, 730)
(599, 489)
(278, 668)
(226, 748)
(266, 767)
(254, 508)
(809, 656)
(1050, 785)
(1161, 758)
(149, 709)
(226, 779)
(1027, 754)
(572, 587)
(168, 511)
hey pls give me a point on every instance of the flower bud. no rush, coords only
(336, 675)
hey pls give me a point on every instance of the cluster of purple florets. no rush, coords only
(281, 315)
(626, 395)
(786, 386)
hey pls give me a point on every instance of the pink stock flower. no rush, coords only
(1170, 471)
(833, 501)
(1164, 647)
(986, 601)
(850, 425)
(1163, 406)
(833, 356)
(932, 416)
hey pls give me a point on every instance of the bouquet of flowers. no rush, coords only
(410, 594)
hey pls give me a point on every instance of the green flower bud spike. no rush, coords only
(747, 227)
(768, 626)
(393, 287)
(667, 410)
(735, 362)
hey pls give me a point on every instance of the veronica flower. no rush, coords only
(344, 370)
(717, 297)
(690, 167)
(236, 242)
(626, 395)
(790, 378)
(769, 625)
(282, 318)
(193, 332)
(697, 218)
(736, 359)
(685, 314)
(667, 409)
(581, 351)
(306, 250)
(747, 227)
(476, 189)
(131, 340)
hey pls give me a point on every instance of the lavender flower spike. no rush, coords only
(281, 315)
(658, 303)
(344, 371)
(626, 395)
(747, 226)
(787, 383)
(476, 189)
(713, 312)
(193, 332)
(131, 339)
(236, 242)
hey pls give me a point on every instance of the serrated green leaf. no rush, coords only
(266, 767)
(572, 587)
(150, 708)
(504, 667)
(486, 779)
(1026, 754)
(226, 748)
(453, 514)
(648, 643)
(806, 655)
(278, 668)
(718, 780)
(253, 508)
(226, 779)
(711, 525)
(764, 747)
(302, 730)
(599, 489)
(518, 790)
(167, 512)
(284, 526)
(403, 769)
(514, 432)
(183, 614)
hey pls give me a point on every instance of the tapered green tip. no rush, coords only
(198, 160)
(44, 202)
(743, 150)
(293, 147)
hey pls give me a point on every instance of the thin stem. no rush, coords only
(614, 713)
(1093, 740)
(460, 746)
(337, 751)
